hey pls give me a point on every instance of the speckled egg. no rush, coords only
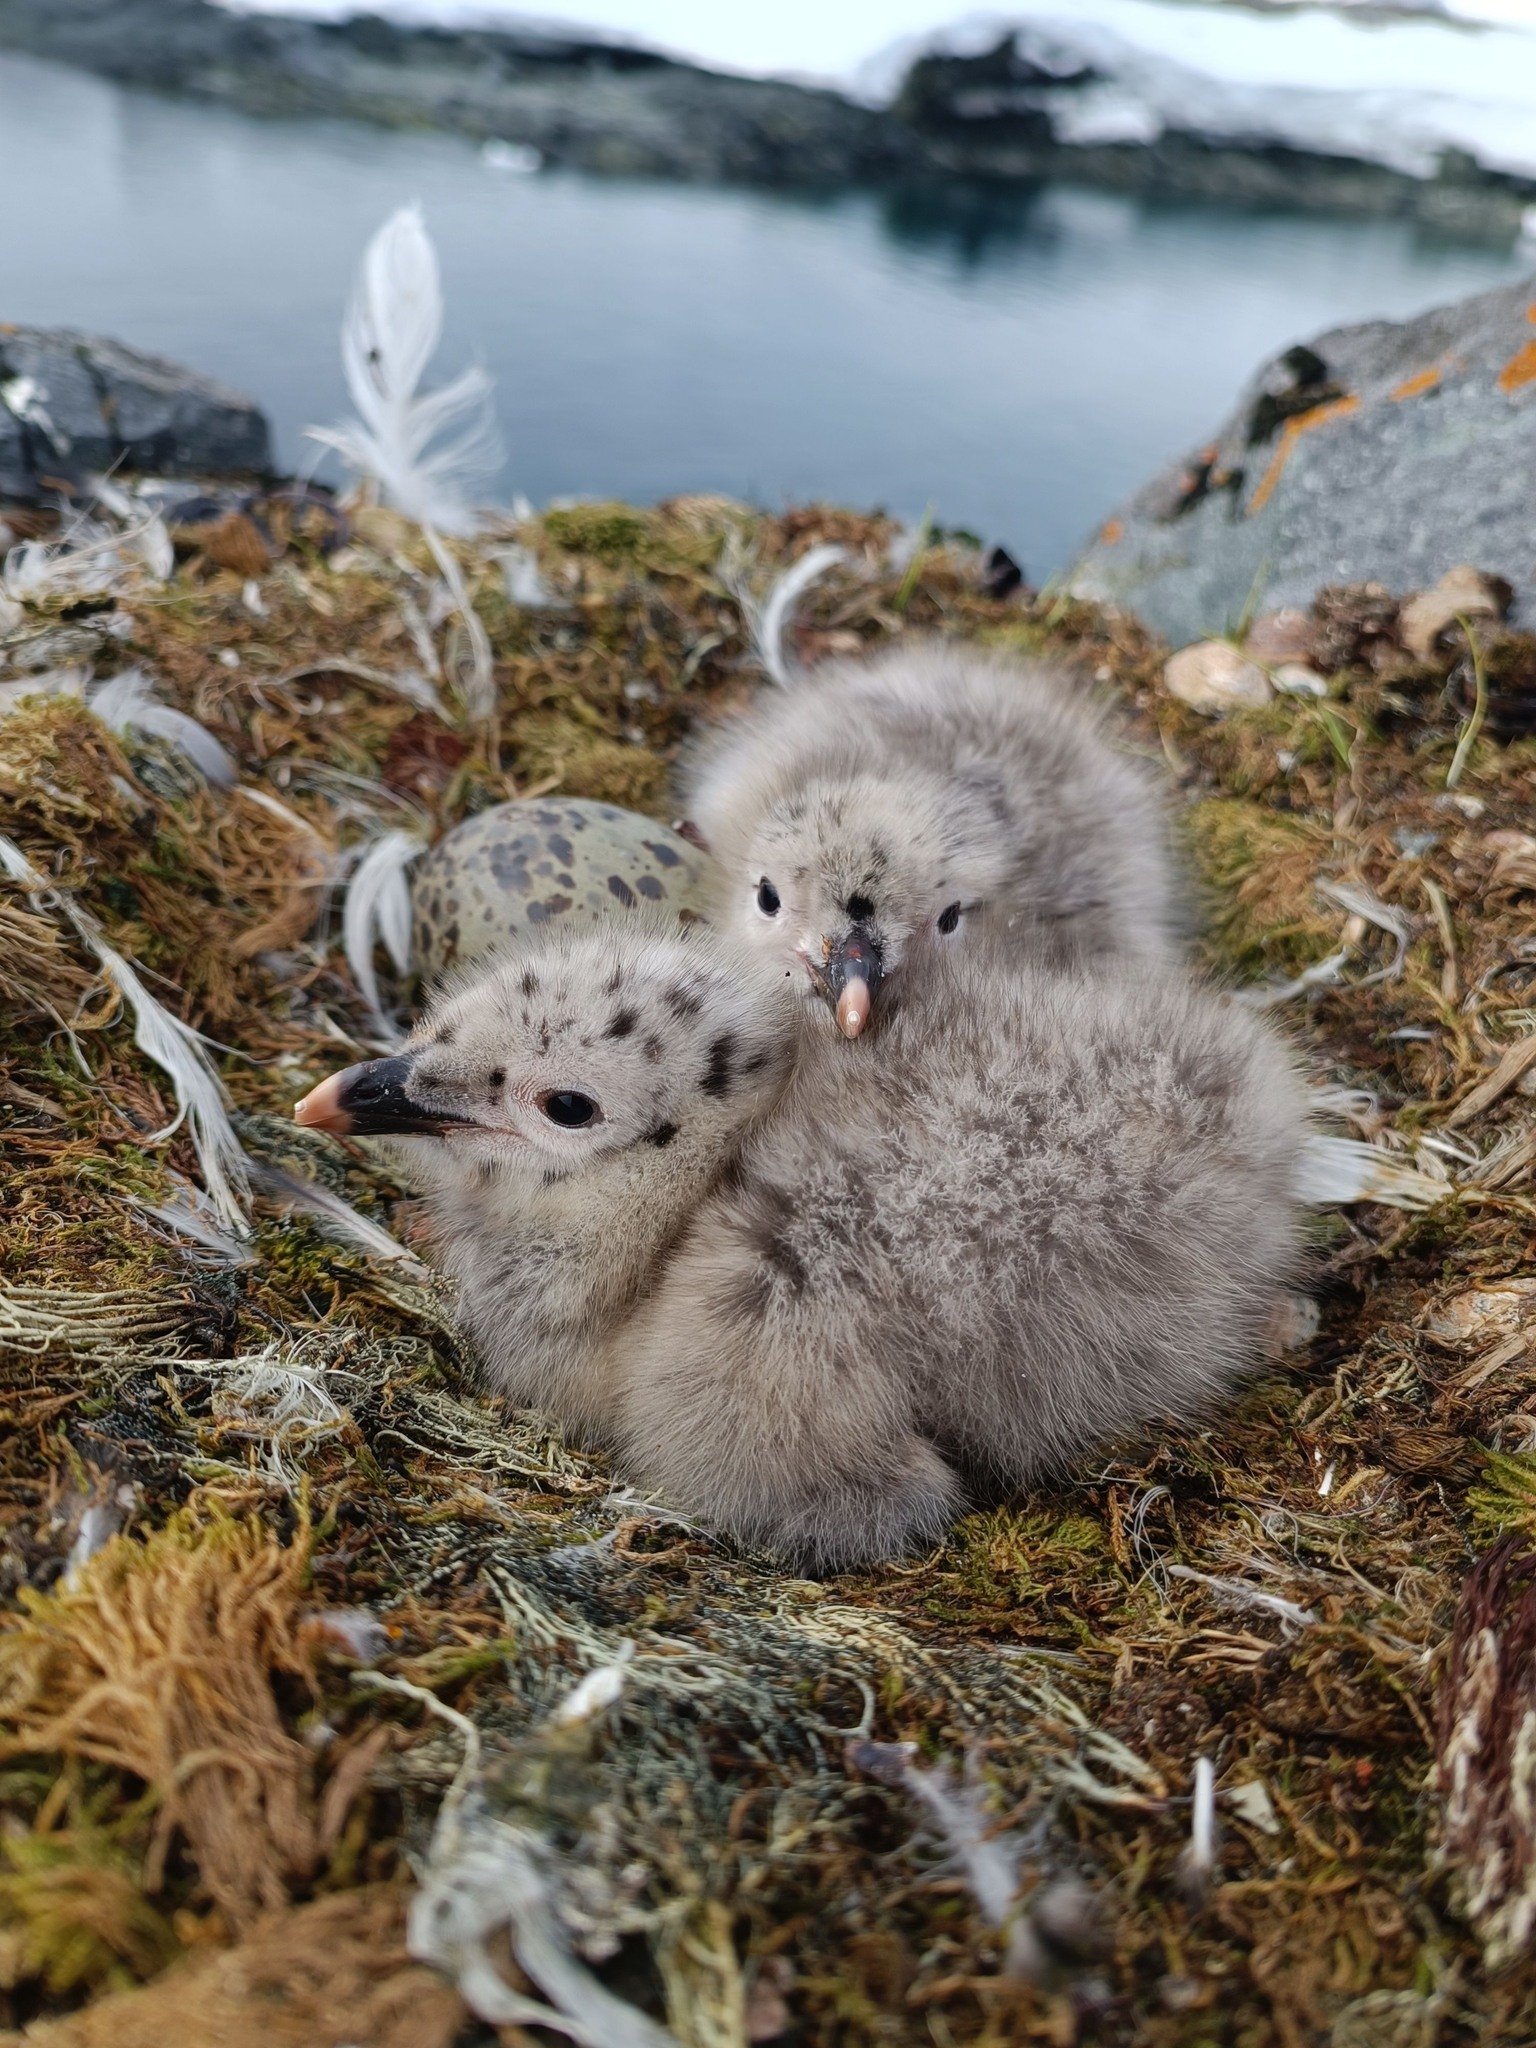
(520, 865)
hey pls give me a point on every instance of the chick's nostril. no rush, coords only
(854, 957)
(375, 1082)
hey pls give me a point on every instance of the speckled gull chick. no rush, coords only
(822, 1294)
(872, 811)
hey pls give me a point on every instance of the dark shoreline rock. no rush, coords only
(593, 105)
(618, 110)
(1385, 453)
(72, 405)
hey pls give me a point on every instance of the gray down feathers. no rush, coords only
(1032, 1213)
(933, 774)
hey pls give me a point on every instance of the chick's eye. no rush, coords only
(767, 898)
(948, 919)
(570, 1110)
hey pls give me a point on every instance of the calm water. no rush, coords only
(1017, 361)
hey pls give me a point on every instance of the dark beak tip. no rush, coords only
(370, 1100)
(854, 957)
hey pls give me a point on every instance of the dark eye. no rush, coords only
(859, 908)
(767, 898)
(565, 1107)
(948, 919)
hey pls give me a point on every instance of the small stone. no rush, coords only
(1212, 677)
(1001, 575)
(1461, 593)
(1251, 1803)
(236, 543)
(1295, 679)
(1182, 1994)
(767, 2014)
(1286, 635)
(1414, 844)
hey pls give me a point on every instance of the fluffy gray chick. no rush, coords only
(823, 1302)
(873, 811)
(582, 1096)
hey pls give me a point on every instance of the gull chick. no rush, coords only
(823, 1294)
(873, 811)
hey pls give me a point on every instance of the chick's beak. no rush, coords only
(371, 1100)
(851, 976)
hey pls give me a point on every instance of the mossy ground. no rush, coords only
(1076, 1652)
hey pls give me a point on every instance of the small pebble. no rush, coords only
(1461, 593)
(1212, 677)
(1414, 844)
(1295, 679)
(1287, 635)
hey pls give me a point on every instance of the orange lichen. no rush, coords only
(1290, 434)
(1111, 531)
(1520, 370)
(1416, 385)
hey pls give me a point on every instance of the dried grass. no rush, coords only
(157, 1661)
(318, 1976)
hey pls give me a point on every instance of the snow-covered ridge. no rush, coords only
(1352, 79)
(1328, 80)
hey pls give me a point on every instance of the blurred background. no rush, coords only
(996, 268)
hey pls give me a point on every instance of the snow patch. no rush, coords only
(1328, 80)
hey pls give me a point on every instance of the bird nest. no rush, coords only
(338, 1703)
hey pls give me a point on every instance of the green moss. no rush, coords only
(1257, 869)
(1013, 1560)
(1506, 1499)
(73, 1917)
(613, 533)
(570, 750)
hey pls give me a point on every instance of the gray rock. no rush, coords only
(16, 474)
(72, 404)
(48, 385)
(174, 422)
(1385, 453)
